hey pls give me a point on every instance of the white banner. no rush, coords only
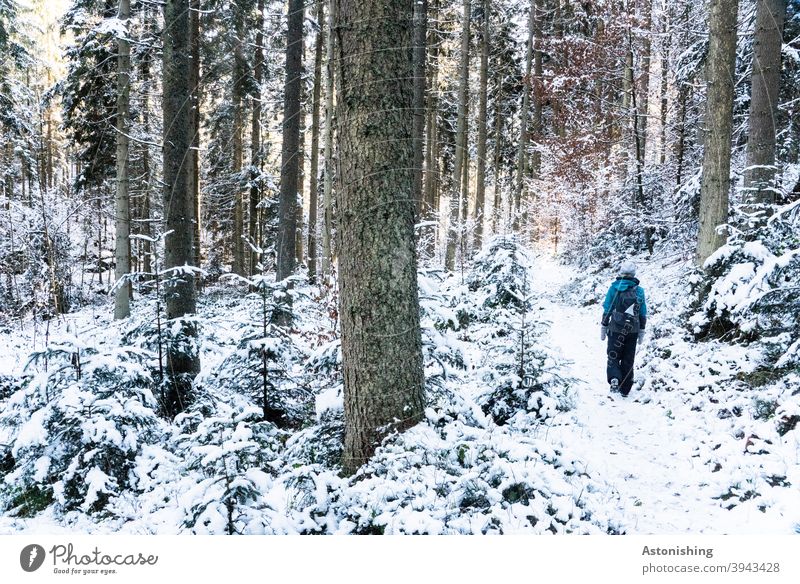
(354, 559)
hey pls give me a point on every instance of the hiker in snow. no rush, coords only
(624, 319)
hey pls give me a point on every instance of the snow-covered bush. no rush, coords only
(498, 277)
(235, 452)
(260, 368)
(539, 392)
(320, 443)
(76, 429)
(749, 288)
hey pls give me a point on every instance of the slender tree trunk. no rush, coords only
(255, 141)
(146, 229)
(524, 136)
(194, 121)
(716, 178)
(123, 210)
(480, 186)
(290, 150)
(665, 49)
(314, 170)
(561, 58)
(381, 341)
(536, 88)
(432, 176)
(418, 129)
(183, 363)
(644, 94)
(239, 73)
(680, 147)
(759, 178)
(461, 132)
(327, 197)
(300, 257)
(498, 149)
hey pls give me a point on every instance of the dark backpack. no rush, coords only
(625, 312)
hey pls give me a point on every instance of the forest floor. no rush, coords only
(695, 447)
(650, 447)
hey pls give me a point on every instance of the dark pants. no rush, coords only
(621, 353)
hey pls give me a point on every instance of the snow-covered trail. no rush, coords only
(641, 450)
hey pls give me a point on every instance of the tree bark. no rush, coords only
(123, 203)
(432, 175)
(183, 363)
(536, 88)
(299, 241)
(480, 185)
(759, 178)
(290, 149)
(314, 169)
(643, 110)
(381, 341)
(418, 128)
(715, 181)
(255, 141)
(194, 121)
(454, 228)
(498, 149)
(239, 73)
(327, 197)
(664, 102)
(524, 136)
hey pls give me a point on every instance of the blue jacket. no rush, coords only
(619, 285)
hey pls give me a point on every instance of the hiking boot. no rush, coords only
(614, 385)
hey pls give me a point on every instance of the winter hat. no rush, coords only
(628, 268)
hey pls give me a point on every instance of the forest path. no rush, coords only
(642, 451)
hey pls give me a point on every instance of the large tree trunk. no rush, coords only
(290, 149)
(327, 197)
(255, 141)
(182, 363)
(480, 186)
(418, 129)
(759, 178)
(381, 342)
(122, 212)
(461, 142)
(715, 182)
(313, 177)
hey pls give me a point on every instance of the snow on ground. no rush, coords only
(684, 453)
(652, 447)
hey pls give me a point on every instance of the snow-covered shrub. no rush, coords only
(539, 392)
(464, 479)
(76, 429)
(321, 443)
(35, 264)
(260, 369)
(10, 384)
(235, 453)
(749, 287)
(498, 277)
